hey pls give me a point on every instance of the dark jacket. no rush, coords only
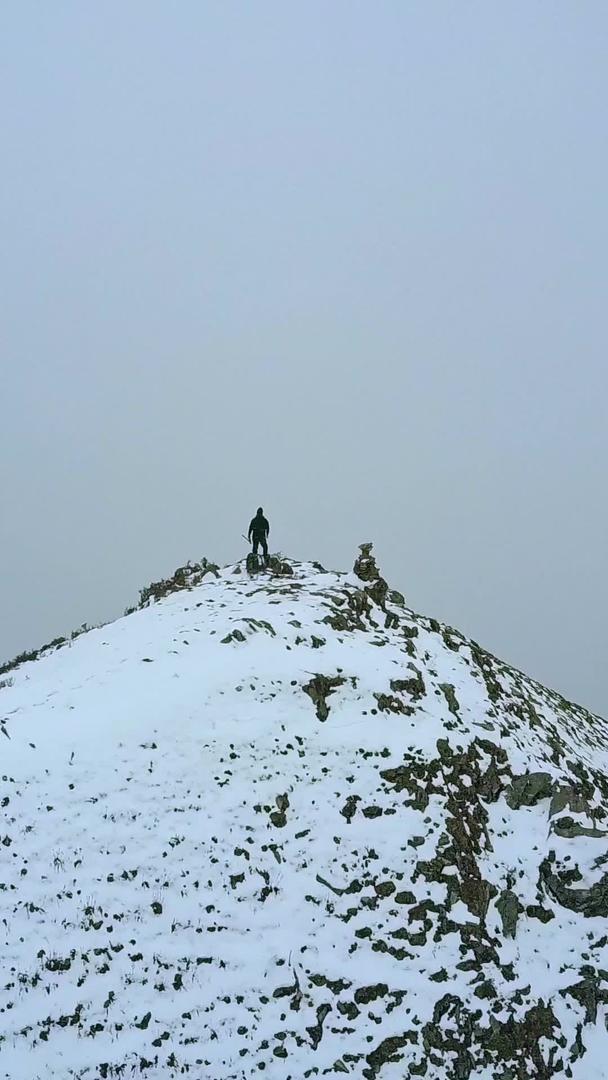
(259, 527)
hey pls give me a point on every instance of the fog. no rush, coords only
(347, 262)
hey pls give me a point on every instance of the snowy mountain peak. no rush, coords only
(280, 823)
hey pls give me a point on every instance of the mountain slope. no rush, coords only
(283, 825)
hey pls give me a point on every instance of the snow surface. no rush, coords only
(182, 891)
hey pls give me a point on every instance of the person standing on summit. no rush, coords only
(258, 532)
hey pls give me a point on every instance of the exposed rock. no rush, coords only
(509, 909)
(414, 687)
(591, 902)
(476, 894)
(279, 566)
(366, 570)
(316, 1032)
(528, 789)
(349, 809)
(365, 564)
(537, 911)
(377, 591)
(234, 635)
(589, 992)
(185, 577)
(569, 828)
(490, 784)
(319, 688)
(393, 704)
(252, 563)
(565, 795)
(450, 696)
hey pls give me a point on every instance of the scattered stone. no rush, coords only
(350, 807)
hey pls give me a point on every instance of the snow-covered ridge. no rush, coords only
(282, 824)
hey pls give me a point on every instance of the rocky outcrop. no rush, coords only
(529, 789)
(185, 577)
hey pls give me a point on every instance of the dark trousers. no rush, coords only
(260, 540)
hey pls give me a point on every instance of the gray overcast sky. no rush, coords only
(347, 260)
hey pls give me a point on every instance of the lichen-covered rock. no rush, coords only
(567, 796)
(319, 688)
(391, 703)
(450, 696)
(527, 790)
(566, 826)
(509, 909)
(591, 902)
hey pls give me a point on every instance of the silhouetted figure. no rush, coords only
(258, 533)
